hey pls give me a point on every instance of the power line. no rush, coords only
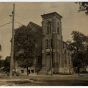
(5, 24)
(9, 23)
(19, 23)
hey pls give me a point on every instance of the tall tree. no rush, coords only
(1, 63)
(78, 48)
(78, 39)
(7, 64)
(25, 45)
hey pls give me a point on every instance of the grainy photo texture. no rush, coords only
(43, 44)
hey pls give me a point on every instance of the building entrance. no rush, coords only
(48, 61)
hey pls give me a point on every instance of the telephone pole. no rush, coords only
(12, 41)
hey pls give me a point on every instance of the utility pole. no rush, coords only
(12, 42)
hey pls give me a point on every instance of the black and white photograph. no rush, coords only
(44, 43)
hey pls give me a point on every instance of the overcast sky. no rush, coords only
(26, 12)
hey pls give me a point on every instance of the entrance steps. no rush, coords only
(43, 71)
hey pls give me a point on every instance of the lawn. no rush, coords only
(81, 80)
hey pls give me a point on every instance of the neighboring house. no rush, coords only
(52, 40)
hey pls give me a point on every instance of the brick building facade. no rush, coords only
(53, 44)
(52, 51)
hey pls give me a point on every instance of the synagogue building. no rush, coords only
(52, 52)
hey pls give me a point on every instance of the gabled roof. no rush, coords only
(35, 26)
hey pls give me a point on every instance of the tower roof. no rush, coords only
(51, 14)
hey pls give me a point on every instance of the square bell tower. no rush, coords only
(52, 42)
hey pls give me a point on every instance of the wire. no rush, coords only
(19, 23)
(9, 23)
(5, 24)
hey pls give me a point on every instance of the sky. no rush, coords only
(32, 11)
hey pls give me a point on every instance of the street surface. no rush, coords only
(45, 80)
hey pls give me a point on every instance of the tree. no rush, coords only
(7, 64)
(0, 47)
(78, 39)
(83, 6)
(86, 52)
(78, 48)
(25, 45)
(1, 63)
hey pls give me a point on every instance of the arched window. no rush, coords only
(48, 28)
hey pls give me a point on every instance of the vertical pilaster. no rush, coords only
(54, 37)
(43, 46)
(61, 51)
(71, 64)
(61, 46)
(67, 60)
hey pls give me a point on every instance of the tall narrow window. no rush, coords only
(65, 57)
(65, 61)
(47, 44)
(39, 59)
(57, 23)
(48, 30)
(48, 54)
(59, 44)
(69, 58)
(51, 42)
(58, 30)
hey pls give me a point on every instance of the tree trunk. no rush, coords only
(27, 67)
(27, 71)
